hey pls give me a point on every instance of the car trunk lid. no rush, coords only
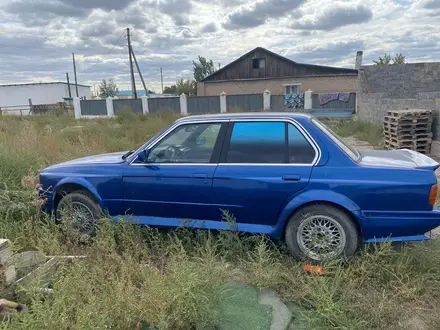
(403, 158)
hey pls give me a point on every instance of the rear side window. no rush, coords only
(268, 143)
(300, 150)
(257, 142)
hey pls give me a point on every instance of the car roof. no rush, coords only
(245, 115)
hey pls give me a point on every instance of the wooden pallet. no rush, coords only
(408, 112)
(402, 121)
(397, 125)
(412, 146)
(406, 136)
(424, 150)
(412, 131)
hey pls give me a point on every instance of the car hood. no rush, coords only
(397, 158)
(112, 158)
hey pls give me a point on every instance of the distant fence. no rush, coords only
(203, 104)
(16, 110)
(164, 104)
(93, 107)
(37, 109)
(245, 102)
(131, 105)
(216, 104)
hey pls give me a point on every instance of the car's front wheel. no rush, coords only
(321, 232)
(81, 211)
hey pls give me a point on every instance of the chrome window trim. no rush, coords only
(187, 121)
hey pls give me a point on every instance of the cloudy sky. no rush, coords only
(37, 37)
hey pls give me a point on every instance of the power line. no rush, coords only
(102, 59)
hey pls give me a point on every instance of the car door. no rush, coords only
(176, 180)
(262, 163)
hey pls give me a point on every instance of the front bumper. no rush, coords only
(47, 196)
(401, 226)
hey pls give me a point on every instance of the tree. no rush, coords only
(202, 68)
(386, 59)
(170, 89)
(188, 86)
(397, 59)
(107, 88)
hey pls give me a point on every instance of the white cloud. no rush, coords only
(37, 37)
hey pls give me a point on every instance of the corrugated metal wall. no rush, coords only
(129, 104)
(93, 108)
(164, 104)
(203, 104)
(249, 102)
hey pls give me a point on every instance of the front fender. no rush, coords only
(81, 182)
(305, 197)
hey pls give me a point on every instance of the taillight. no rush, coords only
(433, 194)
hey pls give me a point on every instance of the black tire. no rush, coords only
(336, 220)
(90, 206)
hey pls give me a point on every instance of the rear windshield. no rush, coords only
(348, 149)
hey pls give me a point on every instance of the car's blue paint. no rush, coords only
(199, 224)
(414, 238)
(164, 190)
(386, 192)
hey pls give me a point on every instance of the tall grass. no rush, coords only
(359, 129)
(139, 278)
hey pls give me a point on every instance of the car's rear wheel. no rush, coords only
(321, 232)
(81, 211)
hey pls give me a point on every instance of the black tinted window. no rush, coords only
(257, 142)
(300, 150)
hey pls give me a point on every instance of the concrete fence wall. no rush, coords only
(189, 105)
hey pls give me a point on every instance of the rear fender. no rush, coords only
(309, 196)
(81, 182)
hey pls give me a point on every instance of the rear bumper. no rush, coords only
(401, 226)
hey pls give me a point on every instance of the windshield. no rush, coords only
(349, 150)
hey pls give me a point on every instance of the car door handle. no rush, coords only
(291, 178)
(200, 176)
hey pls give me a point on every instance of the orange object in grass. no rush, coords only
(318, 270)
(433, 194)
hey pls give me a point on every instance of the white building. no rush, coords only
(15, 97)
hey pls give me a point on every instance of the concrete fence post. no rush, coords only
(145, 109)
(77, 107)
(109, 106)
(266, 100)
(223, 104)
(183, 104)
(308, 99)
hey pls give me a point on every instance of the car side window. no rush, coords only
(257, 142)
(191, 143)
(300, 150)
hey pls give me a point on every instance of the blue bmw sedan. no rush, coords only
(284, 175)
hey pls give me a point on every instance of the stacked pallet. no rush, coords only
(408, 129)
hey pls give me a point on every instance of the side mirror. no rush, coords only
(143, 155)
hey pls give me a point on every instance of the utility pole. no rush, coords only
(219, 66)
(74, 71)
(133, 83)
(68, 85)
(161, 79)
(139, 71)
